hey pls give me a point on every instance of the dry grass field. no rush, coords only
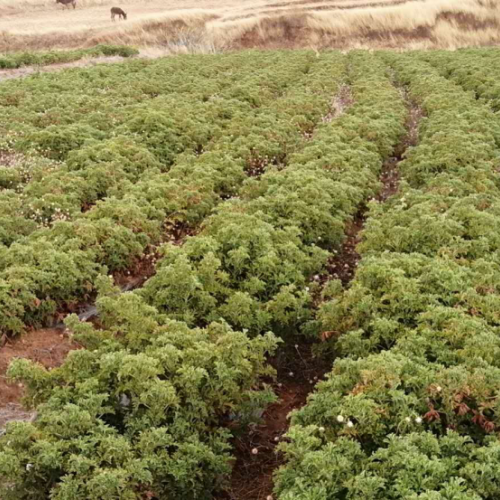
(214, 25)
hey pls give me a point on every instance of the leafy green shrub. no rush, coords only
(138, 414)
(56, 142)
(236, 270)
(415, 466)
(114, 50)
(412, 409)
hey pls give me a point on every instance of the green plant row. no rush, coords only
(410, 410)
(137, 413)
(156, 392)
(476, 70)
(253, 260)
(19, 59)
(151, 137)
(55, 114)
(116, 231)
(216, 373)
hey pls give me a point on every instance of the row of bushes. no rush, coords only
(153, 391)
(476, 70)
(151, 138)
(253, 261)
(19, 59)
(411, 408)
(59, 264)
(150, 392)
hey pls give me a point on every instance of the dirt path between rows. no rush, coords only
(298, 370)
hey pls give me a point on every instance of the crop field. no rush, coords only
(251, 276)
(208, 26)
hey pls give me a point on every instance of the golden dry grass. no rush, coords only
(213, 25)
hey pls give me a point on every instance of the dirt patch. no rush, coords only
(343, 264)
(412, 125)
(48, 347)
(390, 178)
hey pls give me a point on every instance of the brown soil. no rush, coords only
(412, 125)
(343, 264)
(390, 175)
(48, 347)
(390, 179)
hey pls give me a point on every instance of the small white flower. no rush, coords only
(124, 400)
(321, 429)
(269, 497)
(350, 424)
(340, 419)
(29, 467)
(255, 451)
(418, 420)
(439, 388)
(291, 374)
(307, 288)
(408, 419)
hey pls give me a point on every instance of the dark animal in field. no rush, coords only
(116, 11)
(67, 3)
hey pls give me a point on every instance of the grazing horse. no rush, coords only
(116, 11)
(67, 3)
